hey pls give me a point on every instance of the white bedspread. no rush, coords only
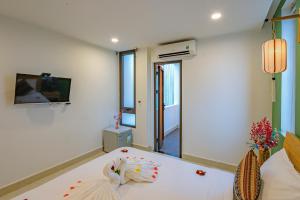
(177, 180)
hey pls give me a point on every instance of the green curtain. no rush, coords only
(276, 106)
(297, 120)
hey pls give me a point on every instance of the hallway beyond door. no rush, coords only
(171, 143)
(167, 109)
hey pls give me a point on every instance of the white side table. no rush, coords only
(116, 138)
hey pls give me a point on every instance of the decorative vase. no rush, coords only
(263, 155)
(117, 124)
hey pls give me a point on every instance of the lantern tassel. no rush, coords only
(273, 88)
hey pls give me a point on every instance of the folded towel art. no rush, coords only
(118, 172)
(92, 190)
(141, 170)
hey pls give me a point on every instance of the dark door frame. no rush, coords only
(161, 107)
(180, 105)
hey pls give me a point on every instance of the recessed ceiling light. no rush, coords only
(114, 40)
(216, 16)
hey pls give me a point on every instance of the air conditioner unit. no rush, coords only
(176, 50)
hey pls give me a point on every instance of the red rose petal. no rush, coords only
(65, 195)
(153, 176)
(200, 172)
(156, 173)
(124, 150)
(72, 188)
(155, 168)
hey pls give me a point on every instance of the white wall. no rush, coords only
(141, 134)
(171, 118)
(224, 90)
(36, 137)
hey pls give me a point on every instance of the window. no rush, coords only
(127, 88)
(168, 84)
(288, 77)
(171, 84)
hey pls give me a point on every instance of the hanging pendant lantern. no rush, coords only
(274, 52)
(274, 56)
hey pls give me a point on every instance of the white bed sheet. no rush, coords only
(177, 180)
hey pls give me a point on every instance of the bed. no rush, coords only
(177, 180)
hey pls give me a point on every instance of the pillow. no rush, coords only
(292, 147)
(247, 181)
(281, 180)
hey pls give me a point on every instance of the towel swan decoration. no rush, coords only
(118, 171)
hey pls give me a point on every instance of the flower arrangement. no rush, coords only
(117, 118)
(263, 135)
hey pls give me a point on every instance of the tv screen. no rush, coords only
(41, 89)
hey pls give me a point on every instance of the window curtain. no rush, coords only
(168, 84)
(289, 78)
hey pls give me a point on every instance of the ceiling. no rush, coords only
(138, 23)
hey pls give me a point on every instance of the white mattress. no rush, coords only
(177, 180)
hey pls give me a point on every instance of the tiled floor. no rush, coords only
(172, 143)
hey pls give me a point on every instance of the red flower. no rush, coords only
(262, 134)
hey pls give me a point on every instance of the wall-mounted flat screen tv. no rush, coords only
(41, 89)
